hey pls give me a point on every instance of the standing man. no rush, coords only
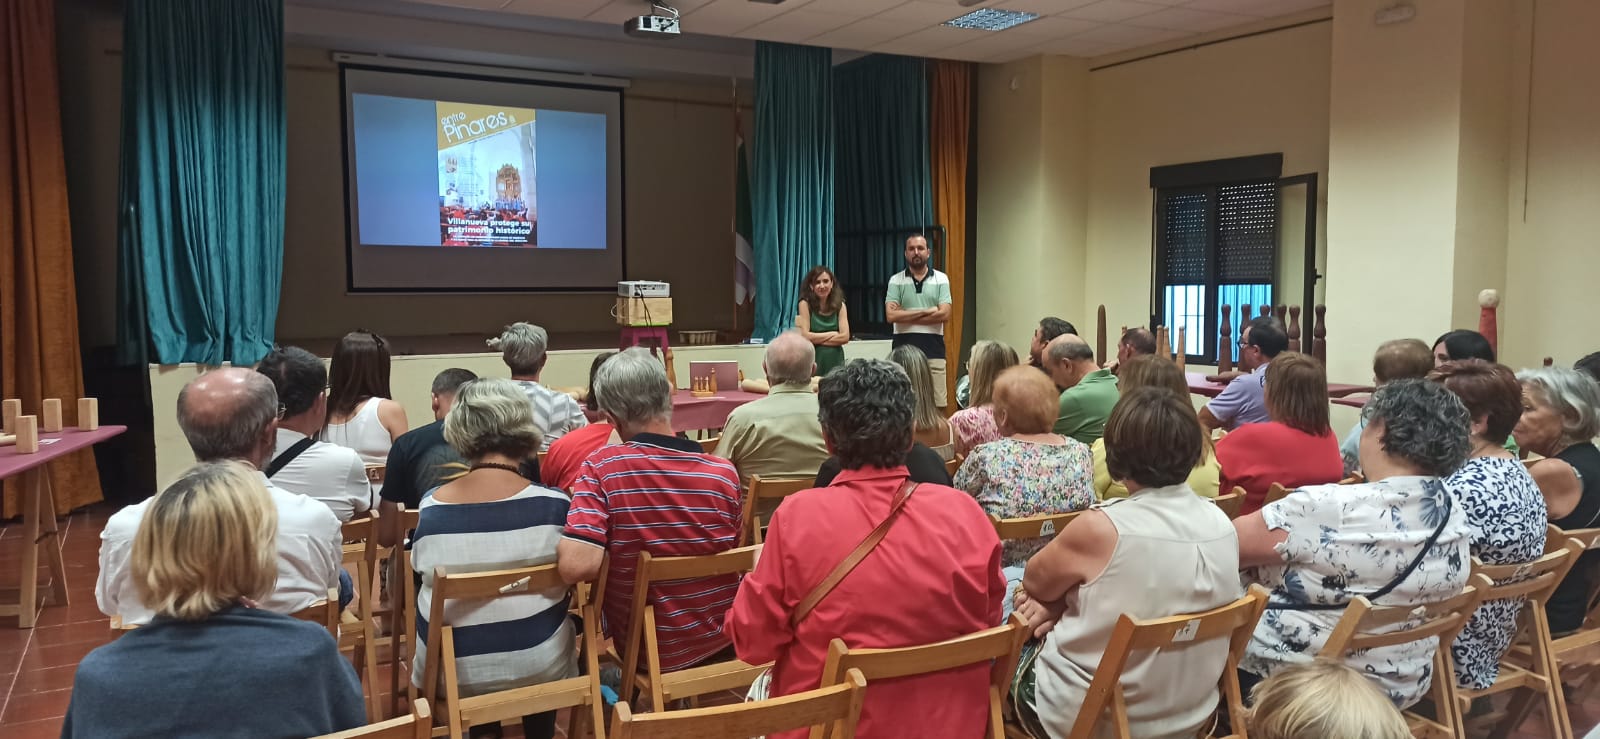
(918, 304)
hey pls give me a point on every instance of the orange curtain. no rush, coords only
(949, 119)
(39, 357)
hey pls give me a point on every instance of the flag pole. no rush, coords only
(733, 178)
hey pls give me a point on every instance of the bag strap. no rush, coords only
(854, 558)
(1433, 538)
(288, 455)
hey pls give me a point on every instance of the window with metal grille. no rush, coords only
(1216, 243)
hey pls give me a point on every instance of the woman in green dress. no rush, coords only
(823, 319)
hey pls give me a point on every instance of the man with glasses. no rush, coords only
(329, 473)
(1244, 399)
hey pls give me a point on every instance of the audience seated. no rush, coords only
(566, 454)
(211, 663)
(1048, 329)
(1242, 401)
(1148, 370)
(329, 473)
(1560, 417)
(929, 426)
(1461, 344)
(361, 415)
(1398, 538)
(1296, 447)
(1135, 342)
(231, 414)
(421, 459)
(778, 436)
(492, 518)
(659, 493)
(935, 575)
(925, 465)
(1398, 359)
(1030, 471)
(1323, 699)
(1505, 512)
(1087, 391)
(975, 424)
(1162, 551)
(522, 346)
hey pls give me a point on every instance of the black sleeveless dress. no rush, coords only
(1567, 606)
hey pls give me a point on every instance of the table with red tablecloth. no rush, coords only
(693, 414)
(1340, 393)
(39, 515)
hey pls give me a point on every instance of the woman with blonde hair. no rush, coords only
(1323, 699)
(1149, 370)
(211, 662)
(928, 425)
(975, 424)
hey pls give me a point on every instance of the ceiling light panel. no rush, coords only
(991, 19)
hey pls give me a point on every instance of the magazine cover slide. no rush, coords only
(486, 176)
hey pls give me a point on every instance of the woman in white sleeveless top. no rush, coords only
(1161, 552)
(360, 414)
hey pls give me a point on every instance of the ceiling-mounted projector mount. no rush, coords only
(661, 23)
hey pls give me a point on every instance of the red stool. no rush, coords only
(654, 337)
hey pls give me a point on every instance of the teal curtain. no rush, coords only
(200, 223)
(793, 198)
(883, 180)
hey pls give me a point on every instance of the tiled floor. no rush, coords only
(36, 666)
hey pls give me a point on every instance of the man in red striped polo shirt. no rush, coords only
(653, 493)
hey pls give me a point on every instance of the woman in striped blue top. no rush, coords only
(492, 518)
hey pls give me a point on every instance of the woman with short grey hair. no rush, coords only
(1399, 539)
(493, 518)
(1559, 421)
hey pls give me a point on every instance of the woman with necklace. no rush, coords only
(1505, 512)
(1559, 418)
(493, 518)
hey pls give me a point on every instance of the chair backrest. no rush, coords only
(709, 446)
(1274, 494)
(1534, 580)
(830, 711)
(1355, 478)
(659, 569)
(1230, 503)
(375, 473)
(325, 612)
(953, 464)
(767, 489)
(1366, 626)
(1235, 622)
(1588, 539)
(1031, 527)
(1000, 647)
(417, 725)
(476, 586)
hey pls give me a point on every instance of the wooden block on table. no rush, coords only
(27, 434)
(88, 414)
(51, 414)
(9, 411)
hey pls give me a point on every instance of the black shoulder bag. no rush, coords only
(1449, 504)
(288, 455)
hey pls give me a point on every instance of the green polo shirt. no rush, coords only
(1086, 406)
(775, 437)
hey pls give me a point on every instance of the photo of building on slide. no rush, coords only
(486, 176)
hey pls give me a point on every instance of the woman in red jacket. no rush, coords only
(1297, 447)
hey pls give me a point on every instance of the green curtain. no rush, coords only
(793, 183)
(884, 180)
(200, 223)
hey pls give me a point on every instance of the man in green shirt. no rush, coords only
(1088, 392)
(778, 436)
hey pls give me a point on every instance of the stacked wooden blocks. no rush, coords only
(23, 431)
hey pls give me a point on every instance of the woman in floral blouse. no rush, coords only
(974, 424)
(1030, 471)
(1323, 545)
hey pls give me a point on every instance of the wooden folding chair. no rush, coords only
(1234, 622)
(1230, 503)
(1274, 494)
(830, 711)
(1000, 647)
(325, 612)
(361, 559)
(709, 446)
(582, 692)
(1366, 626)
(952, 465)
(641, 647)
(375, 473)
(1032, 527)
(418, 725)
(401, 618)
(1534, 581)
(763, 491)
(1576, 655)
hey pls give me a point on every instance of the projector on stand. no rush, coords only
(644, 289)
(662, 23)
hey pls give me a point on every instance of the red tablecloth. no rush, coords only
(691, 414)
(1199, 385)
(51, 447)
